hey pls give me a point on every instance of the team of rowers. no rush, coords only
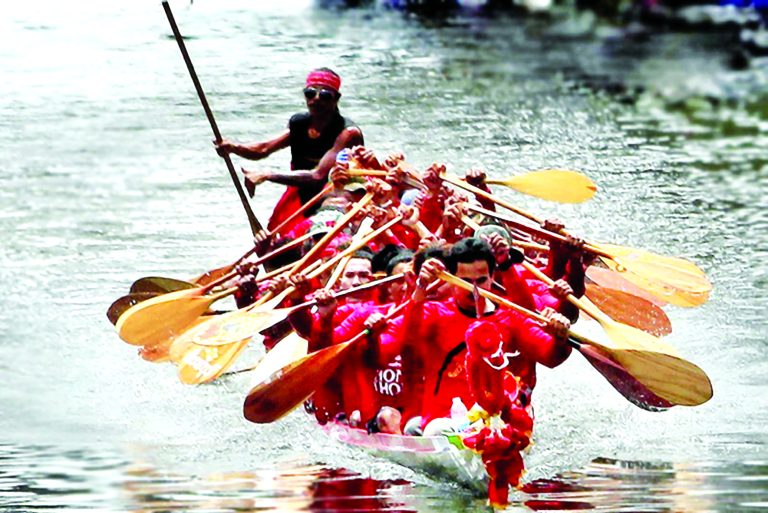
(447, 350)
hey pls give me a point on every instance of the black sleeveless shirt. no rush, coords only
(307, 152)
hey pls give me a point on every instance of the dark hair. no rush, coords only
(405, 255)
(435, 250)
(383, 256)
(470, 250)
(365, 253)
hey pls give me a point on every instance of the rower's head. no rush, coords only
(472, 260)
(402, 262)
(322, 91)
(357, 272)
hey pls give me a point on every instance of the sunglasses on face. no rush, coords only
(323, 94)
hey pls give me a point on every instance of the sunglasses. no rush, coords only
(323, 94)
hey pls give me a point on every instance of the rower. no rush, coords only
(315, 138)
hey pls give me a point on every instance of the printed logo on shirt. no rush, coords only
(389, 380)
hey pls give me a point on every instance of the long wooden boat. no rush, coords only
(441, 456)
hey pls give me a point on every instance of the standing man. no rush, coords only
(315, 137)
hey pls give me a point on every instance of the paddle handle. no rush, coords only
(252, 221)
(352, 290)
(455, 280)
(586, 306)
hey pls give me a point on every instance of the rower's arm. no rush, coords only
(258, 150)
(348, 138)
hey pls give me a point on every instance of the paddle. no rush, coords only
(620, 306)
(252, 221)
(621, 334)
(121, 304)
(629, 309)
(562, 186)
(611, 279)
(288, 387)
(673, 279)
(160, 285)
(665, 375)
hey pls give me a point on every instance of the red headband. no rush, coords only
(324, 78)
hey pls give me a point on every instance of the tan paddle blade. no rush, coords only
(201, 364)
(559, 185)
(122, 304)
(674, 280)
(288, 350)
(222, 330)
(160, 285)
(624, 383)
(610, 279)
(164, 317)
(290, 386)
(630, 310)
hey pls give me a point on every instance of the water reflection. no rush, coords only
(37, 478)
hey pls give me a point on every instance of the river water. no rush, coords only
(107, 174)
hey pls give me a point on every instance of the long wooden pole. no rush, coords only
(252, 221)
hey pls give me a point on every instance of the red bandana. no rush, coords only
(324, 78)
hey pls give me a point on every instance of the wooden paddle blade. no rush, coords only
(627, 337)
(630, 310)
(228, 328)
(288, 350)
(632, 390)
(122, 304)
(290, 386)
(160, 285)
(559, 185)
(163, 317)
(611, 279)
(202, 364)
(675, 280)
(669, 377)
(213, 275)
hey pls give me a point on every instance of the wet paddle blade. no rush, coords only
(559, 185)
(163, 317)
(160, 285)
(608, 278)
(630, 310)
(674, 280)
(201, 364)
(122, 304)
(623, 382)
(290, 386)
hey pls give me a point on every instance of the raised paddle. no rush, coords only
(252, 221)
(675, 280)
(610, 279)
(559, 185)
(665, 375)
(629, 309)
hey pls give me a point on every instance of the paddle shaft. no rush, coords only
(252, 221)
